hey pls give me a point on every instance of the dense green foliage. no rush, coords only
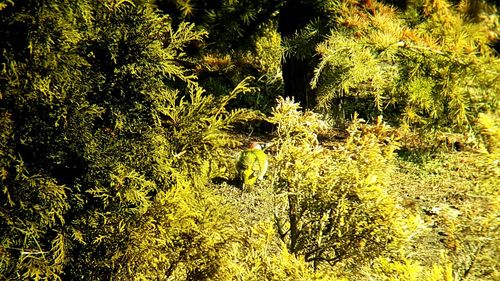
(92, 144)
(121, 122)
(432, 73)
(335, 207)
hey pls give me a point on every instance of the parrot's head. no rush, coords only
(254, 145)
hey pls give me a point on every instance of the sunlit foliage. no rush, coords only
(332, 206)
(107, 142)
(433, 73)
(121, 122)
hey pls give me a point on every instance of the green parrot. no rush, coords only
(252, 165)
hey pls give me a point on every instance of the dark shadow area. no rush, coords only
(417, 156)
(233, 182)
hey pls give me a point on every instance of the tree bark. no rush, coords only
(296, 81)
(297, 71)
(292, 216)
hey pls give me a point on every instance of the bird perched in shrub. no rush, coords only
(252, 165)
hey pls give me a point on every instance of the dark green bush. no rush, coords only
(107, 141)
(333, 206)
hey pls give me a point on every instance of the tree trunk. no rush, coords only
(292, 216)
(297, 71)
(296, 81)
